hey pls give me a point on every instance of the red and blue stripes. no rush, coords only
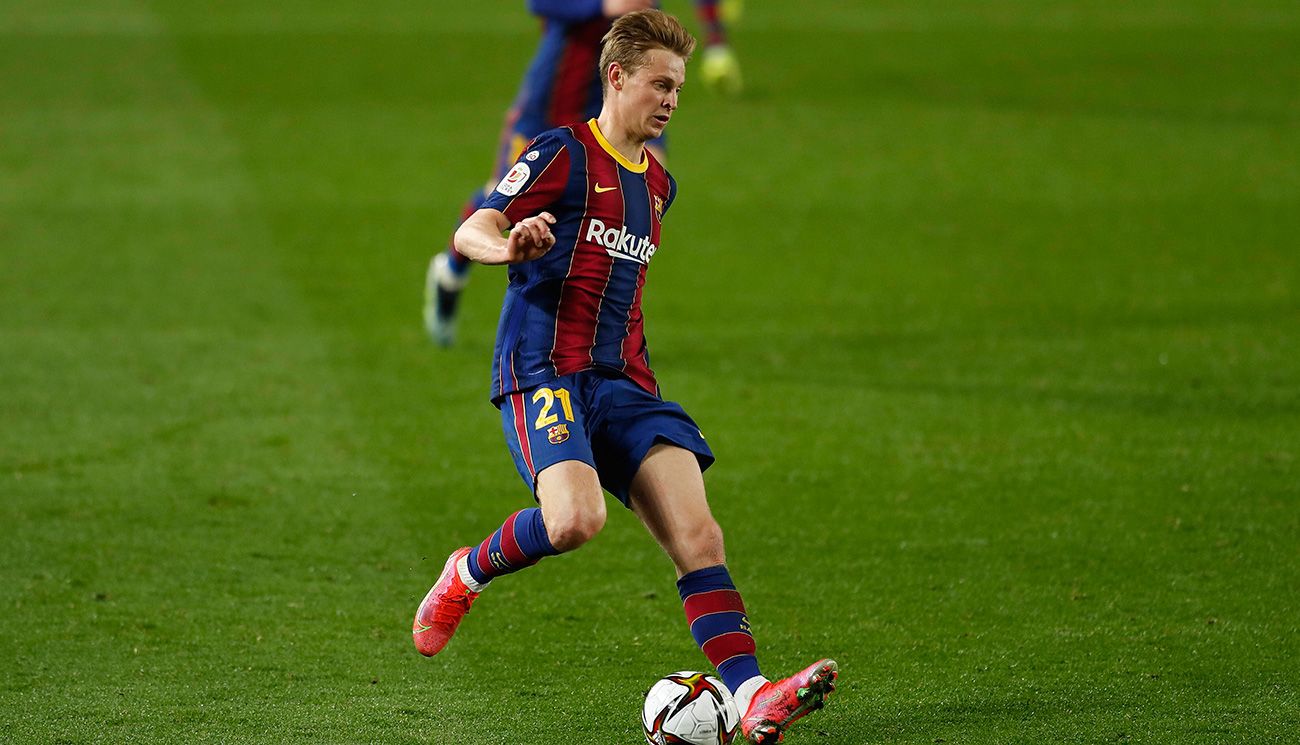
(710, 18)
(718, 622)
(592, 269)
(518, 411)
(648, 208)
(575, 87)
(579, 306)
(520, 542)
(553, 165)
(562, 83)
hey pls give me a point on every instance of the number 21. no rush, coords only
(545, 417)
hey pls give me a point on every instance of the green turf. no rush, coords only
(989, 310)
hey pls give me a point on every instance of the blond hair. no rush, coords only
(632, 37)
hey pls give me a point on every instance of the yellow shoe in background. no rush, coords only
(732, 10)
(721, 70)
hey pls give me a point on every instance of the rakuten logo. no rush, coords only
(619, 243)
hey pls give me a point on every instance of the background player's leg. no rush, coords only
(447, 275)
(719, 68)
(459, 263)
(667, 493)
(449, 270)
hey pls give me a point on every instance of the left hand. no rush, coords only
(530, 239)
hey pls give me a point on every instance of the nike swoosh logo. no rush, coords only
(770, 699)
(602, 189)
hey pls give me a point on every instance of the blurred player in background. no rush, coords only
(577, 218)
(562, 86)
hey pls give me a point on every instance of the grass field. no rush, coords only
(989, 309)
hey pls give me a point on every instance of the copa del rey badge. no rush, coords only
(515, 180)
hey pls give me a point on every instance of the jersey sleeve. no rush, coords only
(672, 194)
(566, 11)
(536, 182)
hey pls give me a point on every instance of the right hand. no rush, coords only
(616, 8)
(530, 238)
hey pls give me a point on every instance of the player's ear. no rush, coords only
(615, 76)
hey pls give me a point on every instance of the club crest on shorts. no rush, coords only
(557, 434)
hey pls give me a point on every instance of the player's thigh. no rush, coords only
(668, 495)
(545, 426)
(573, 504)
(634, 422)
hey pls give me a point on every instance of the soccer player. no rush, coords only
(562, 86)
(580, 406)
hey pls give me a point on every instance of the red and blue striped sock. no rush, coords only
(718, 622)
(520, 542)
(707, 10)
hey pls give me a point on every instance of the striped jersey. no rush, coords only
(578, 307)
(562, 83)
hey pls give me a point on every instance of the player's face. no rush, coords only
(649, 95)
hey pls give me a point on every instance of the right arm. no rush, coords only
(483, 237)
(521, 204)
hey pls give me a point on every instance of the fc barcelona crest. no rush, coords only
(557, 434)
(659, 208)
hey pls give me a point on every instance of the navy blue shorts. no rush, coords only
(601, 419)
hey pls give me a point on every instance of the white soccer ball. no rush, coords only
(689, 708)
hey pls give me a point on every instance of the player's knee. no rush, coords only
(704, 544)
(572, 528)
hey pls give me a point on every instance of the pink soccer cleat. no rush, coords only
(777, 705)
(442, 609)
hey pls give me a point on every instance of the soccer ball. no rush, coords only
(689, 708)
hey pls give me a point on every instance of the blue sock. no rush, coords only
(719, 624)
(457, 262)
(520, 542)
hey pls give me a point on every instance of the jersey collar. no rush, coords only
(615, 154)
